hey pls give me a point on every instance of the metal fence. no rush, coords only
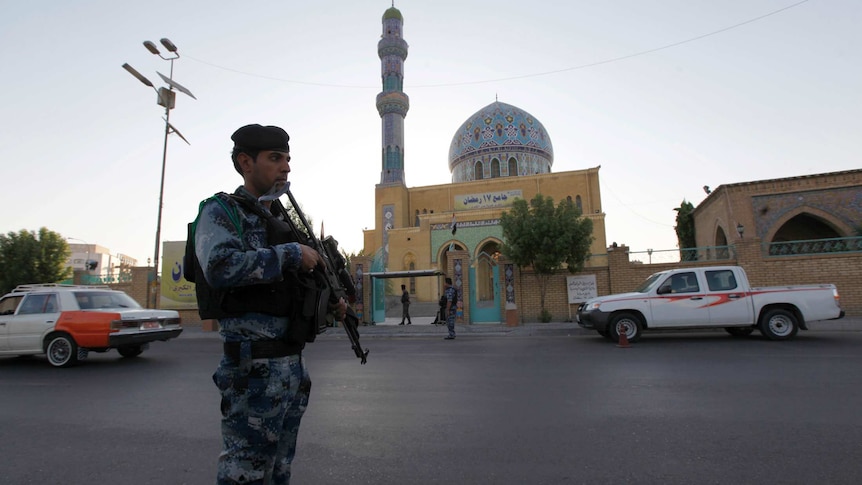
(812, 246)
(769, 249)
(102, 279)
(706, 253)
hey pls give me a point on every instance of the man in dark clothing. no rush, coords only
(405, 305)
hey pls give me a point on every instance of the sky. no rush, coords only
(666, 96)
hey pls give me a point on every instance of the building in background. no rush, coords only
(499, 154)
(99, 264)
(810, 210)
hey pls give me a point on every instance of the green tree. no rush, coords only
(545, 237)
(27, 257)
(685, 231)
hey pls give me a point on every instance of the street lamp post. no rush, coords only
(167, 99)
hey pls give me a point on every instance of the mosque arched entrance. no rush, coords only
(443, 257)
(485, 287)
(805, 226)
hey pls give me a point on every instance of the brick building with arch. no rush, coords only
(803, 208)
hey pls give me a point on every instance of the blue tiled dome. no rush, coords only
(500, 128)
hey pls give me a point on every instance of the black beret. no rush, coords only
(259, 138)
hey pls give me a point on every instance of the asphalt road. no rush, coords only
(564, 408)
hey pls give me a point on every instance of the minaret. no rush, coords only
(392, 103)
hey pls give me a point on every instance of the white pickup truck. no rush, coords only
(709, 297)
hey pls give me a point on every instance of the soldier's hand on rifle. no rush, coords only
(338, 310)
(310, 259)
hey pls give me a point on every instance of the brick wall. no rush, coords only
(842, 270)
(620, 276)
(140, 288)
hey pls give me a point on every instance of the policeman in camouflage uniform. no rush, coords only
(262, 377)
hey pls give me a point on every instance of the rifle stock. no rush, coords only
(337, 278)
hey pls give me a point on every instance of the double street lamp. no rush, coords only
(167, 99)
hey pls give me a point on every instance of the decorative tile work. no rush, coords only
(470, 234)
(388, 223)
(458, 283)
(843, 203)
(500, 131)
(509, 271)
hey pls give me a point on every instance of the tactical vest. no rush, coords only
(298, 296)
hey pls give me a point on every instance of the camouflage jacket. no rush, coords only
(228, 260)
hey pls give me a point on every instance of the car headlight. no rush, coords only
(592, 306)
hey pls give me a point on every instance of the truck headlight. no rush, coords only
(591, 306)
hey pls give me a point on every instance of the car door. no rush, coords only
(36, 315)
(729, 305)
(8, 305)
(679, 302)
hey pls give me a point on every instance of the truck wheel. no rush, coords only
(739, 331)
(778, 324)
(62, 351)
(632, 324)
(130, 350)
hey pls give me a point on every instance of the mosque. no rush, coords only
(501, 153)
(497, 155)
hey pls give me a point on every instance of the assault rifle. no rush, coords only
(335, 275)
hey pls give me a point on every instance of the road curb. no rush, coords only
(563, 329)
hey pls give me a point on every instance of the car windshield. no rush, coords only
(90, 300)
(646, 285)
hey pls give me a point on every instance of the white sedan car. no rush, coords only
(66, 322)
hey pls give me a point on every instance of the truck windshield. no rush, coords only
(646, 285)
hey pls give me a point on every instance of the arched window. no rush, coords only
(513, 167)
(495, 168)
(578, 203)
(417, 217)
(721, 250)
(480, 171)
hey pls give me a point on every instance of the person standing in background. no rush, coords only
(405, 305)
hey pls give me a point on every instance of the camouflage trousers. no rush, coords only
(262, 403)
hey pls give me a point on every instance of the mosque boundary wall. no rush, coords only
(619, 276)
(844, 270)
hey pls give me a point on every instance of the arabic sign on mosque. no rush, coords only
(486, 200)
(581, 288)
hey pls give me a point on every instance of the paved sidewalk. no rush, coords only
(422, 327)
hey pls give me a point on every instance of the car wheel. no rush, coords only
(632, 324)
(779, 324)
(739, 331)
(62, 351)
(130, 350)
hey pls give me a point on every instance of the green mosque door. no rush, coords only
(485, 290)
